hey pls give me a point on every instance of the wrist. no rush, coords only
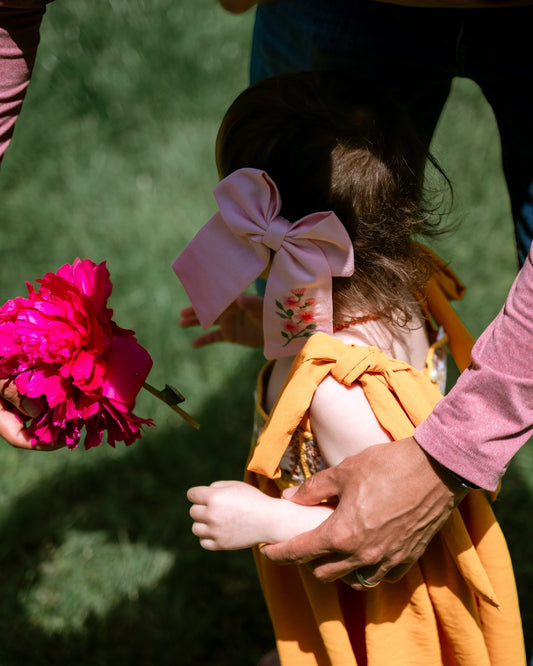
(455, 483)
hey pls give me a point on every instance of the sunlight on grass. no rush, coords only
(87, 574)
(113, 159)
(480, 245)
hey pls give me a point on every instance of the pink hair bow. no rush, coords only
(236, 246)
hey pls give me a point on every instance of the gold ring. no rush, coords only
(364, 581)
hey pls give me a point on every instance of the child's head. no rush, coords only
(330, 142)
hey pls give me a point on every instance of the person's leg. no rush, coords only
(408, 51)
(19, 38)
(500, 60)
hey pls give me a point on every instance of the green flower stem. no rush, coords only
(171, 397)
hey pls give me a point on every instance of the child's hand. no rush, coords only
(231, 514)
(241, 323)
(228, 515)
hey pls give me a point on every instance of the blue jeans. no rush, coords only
(415, 53)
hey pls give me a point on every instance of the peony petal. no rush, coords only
(127, 369)
(61, 343)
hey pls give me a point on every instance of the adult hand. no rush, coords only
(391, 501)
(11, 427)
(241, 322)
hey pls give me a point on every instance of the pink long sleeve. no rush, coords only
(19, 38)
(479, 426)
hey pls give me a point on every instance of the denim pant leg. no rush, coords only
(415, 53)
(407, 51)
(499, 57)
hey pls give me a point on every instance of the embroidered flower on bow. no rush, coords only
(298, 317)
(62, 343)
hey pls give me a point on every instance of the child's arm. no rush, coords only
(241, 323)
(231, 514)
(343, 421)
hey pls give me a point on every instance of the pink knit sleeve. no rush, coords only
(19, 38)
(479, 426)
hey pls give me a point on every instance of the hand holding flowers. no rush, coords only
(11, 426)
(65, 363)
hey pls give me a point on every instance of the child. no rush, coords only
(321, 192)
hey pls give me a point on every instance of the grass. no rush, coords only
(113, 159)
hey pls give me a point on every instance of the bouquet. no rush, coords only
(61, 343)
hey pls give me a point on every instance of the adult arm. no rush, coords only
(488, 415)
(19, 37)
(393, 500)
(20, 21)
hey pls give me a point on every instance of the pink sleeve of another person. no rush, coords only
(19, 38)
(479, 426)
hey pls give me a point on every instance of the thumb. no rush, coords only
(314, 490)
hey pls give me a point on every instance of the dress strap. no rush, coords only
(381, 377)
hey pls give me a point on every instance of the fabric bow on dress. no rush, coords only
(244, 238)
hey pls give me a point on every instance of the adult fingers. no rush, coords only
(13, 431)
(372, 576)
(318, 487)
(31, 407)
(301, 549)
(363, 578)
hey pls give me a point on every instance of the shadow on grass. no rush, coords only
(207, 609)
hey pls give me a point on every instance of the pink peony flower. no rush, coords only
(61, 343)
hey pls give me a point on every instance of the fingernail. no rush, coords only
(289, 492)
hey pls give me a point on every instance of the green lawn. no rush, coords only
(113, 160)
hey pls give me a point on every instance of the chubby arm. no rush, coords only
(343, 421)
(229, 515)
(392, 500)
(392, 497)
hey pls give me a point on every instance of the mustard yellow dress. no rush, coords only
(457, 605)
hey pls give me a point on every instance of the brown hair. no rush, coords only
(330, 142)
